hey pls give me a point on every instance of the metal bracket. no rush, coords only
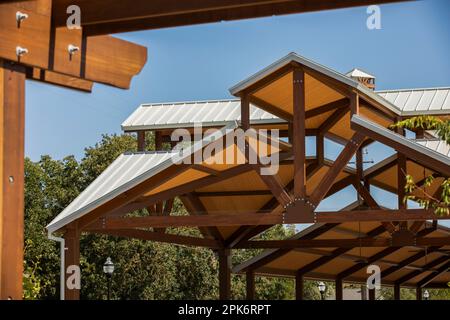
(20, 16)
(72, 49)
(21, 51)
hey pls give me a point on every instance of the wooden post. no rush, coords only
(363, 292)
(299, 133)
(372, 294)
(250, 278)
(339, 289)
(71, 263)
(141, 140)
(158, 141)
(354, 104)
(12, 124)
(320, 148)
(224, 274)
(397, 292)
(419, 295)
(299, 286)
(245, 112)
(359, 171)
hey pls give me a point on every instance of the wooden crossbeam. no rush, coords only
(412, 153)
(275, 185)
(341, 161)
(342, 103)
(443, 269)
(256, 218)
(427, 267)
(335, 254)
(161, 237)
(341, 243)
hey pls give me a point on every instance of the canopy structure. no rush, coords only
(231, 201)
(67, 43)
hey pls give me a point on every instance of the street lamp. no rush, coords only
(108, 269)
(426, 295)
(322, 288)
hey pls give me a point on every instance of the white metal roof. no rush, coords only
(127, 171)
(187, 114)
(294, 57)
(221, 112)
(414, 144)
(436, 145)
(357, 73)
(419, 101)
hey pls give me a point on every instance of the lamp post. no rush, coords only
(322, 288)
(108, 269)
(426, 295)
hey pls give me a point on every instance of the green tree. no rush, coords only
(439, 203)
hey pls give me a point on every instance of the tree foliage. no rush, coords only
(440, 202)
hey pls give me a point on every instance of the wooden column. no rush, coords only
(320, 148)
(299, 133)
(354, 104)
(158, 141)
(397, 292)
(141, 140)
(72, 258)
(12, 128)
(299, 286)
(245, 112)
(371, 294)
(419, 294)
(250, 281)
(363, 292)
(224, 274)
(359, 170)
(339, 289)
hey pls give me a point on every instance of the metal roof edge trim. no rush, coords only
(55, 224)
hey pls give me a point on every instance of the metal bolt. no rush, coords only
(21, 51)
(20, 16)
(11, 179)
(72, 49)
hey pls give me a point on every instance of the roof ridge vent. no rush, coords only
(362, 77)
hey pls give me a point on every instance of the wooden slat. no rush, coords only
(443, 269)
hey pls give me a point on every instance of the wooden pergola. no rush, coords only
(230, 203)
(35, 44)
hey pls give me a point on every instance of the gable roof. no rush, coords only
(357, 73)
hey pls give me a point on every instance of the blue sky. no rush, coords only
(202, 62)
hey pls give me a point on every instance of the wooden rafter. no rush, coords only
(444, 268)
(161, 237)
(425, 268)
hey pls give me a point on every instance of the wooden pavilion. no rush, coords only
(36, 44)
(230, 203)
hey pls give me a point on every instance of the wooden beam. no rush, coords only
(332, 120)
(245, 112)
(59, 79)
(274, 183)
(256, 218)
(141, 140)
(299, 126)
(442, 269)
(396, 292)
(224, 274)
(281, 252)
(12, 130)
(161, 237)
(425, 268)
(72, 259)
(299, 286)
(276, 111)
(344, 243)
(196, 207)
(412, 153)
(250, 285)
(339, 289)
(114, 17)
(341, 161)
(342, 103)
